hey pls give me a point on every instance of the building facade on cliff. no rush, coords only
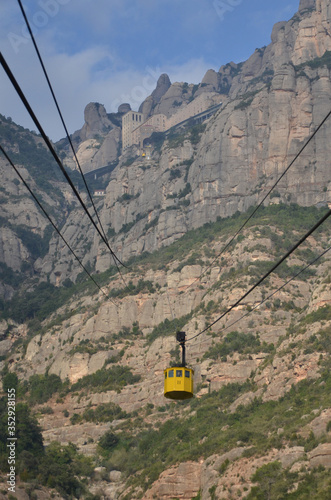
(136, 128)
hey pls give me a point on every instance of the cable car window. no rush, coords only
(187, 374)
(171, 373)
(179, 373)
(165, 375)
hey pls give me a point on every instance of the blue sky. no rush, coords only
(112, 51)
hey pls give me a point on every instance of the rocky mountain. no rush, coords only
(25, 232)
(87, 363)
(271, 105)
(93, 370)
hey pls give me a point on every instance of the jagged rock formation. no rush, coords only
(271, 105)
(96, 121)
(124, 108)
(98, 142)
(24, 230)
(88, 340)
(162, 86)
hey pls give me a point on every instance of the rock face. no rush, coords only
(162, 86)
(24, 230)
(178, 482)
(96, 121)
(124, 108)
(307, 4)
(271, 105)
(98, 140)
(321, 456)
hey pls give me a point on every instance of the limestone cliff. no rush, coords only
(283, 351)
(271, 105)
(262, 373)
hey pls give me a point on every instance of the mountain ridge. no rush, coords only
(91, 366)
(271, 108)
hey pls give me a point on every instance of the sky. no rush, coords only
(113, 51)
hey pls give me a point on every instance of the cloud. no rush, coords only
(78, 79)
(113, 51)
(79, 75)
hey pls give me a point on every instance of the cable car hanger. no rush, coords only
(178, 380)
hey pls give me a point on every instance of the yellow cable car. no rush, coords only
(178, 380)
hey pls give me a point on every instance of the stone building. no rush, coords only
(135, 128)
(130, 121)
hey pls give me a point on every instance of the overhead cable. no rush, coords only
(264, 198)
(316, 226)
(60, 114)
(276, 291)
(52, 150)
(53, 224)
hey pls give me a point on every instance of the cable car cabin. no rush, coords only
(178, 382)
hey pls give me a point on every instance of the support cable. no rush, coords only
(52, 150)
(54, 226)
(264, 198)
(276, 291)
(60, 114)
(316, 226)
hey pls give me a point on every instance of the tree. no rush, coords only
(273, 482)
(9, 381)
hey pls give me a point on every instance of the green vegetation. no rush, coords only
(254, 425)
(9, 381)
(141, 287)
(182, 193)
(237, 342)
(61, 467)
(168, 327)
(126, 334)
(129, 161)
(42, 387)
(321, 314)
(318, 62)
(128, 197)
(111, 379)
(291, 220)
(103, 413)
(176, 136)
(196, 131)
(175, 174)
(56, 467)
(8, 276)
(275, 482)
(247, 100)
(157, 140)
(32, 154)
(152, 223)
(40, 303)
